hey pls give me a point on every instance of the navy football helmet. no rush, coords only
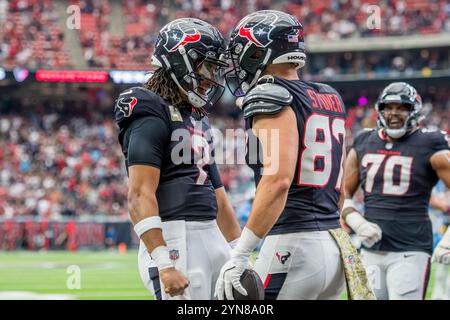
(401, 93)
(262, 38)
(193, 53)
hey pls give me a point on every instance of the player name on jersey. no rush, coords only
(325, 101)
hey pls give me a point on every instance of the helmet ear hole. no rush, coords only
(258, 54)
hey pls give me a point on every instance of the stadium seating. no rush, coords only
(42, 47)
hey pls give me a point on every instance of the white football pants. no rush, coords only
(301, 266)
(198, 249)
(397, 275)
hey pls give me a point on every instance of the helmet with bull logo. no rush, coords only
(192, 52)
(262, 38)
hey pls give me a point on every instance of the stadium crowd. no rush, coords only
(65, 160)
(376, 63)
(31, 36)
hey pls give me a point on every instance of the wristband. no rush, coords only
(146, 224)
(160, 256)
(247, 242)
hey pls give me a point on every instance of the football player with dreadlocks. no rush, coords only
(176, 199)
(296, 205)
(397, 166)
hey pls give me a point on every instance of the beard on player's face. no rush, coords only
(395, 122)
(396, 115)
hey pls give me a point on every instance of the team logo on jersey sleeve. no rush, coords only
(126, 105)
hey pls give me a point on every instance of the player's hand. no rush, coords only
(174, 281)
(369, 233)
(230, 276)
(344, 225)
(442, 252)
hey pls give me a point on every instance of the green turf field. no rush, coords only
(103, 275)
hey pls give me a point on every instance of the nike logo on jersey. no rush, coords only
(126, 92)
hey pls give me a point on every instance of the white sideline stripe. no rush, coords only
(113, 294)
(28, 295)
(53, 265)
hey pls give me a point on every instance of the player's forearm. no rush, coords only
(351, 184)
(440, 162)
(270, 200)
(438, 203)
(142, 207)
(228, 224)
(226, 219)
(351, 176)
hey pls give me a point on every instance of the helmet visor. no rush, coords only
(209, 76)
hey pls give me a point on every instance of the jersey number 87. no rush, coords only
(319, 146)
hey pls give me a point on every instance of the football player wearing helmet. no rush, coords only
(176, 199)
(297, 204)
(397, 166)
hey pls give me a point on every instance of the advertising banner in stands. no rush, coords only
(72, 235)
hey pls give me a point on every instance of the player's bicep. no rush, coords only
(351, 178)
(147, 141)
(440, 162)
(143, 180)
(278, 135)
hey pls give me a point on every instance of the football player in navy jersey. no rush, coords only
(176, 199)
(397, 166)
(297, 192)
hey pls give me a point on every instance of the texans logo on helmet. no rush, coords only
(258, 33)
(126, 105)
(177, 38)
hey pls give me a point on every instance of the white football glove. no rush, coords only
(369, 233)
(233, 243)
(442, 252)
(230, 276)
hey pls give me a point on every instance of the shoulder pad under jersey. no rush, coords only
(266, 98)
(436, 139)
(362, 135)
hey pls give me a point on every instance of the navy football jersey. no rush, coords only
(397, 180)
(312, 203)
(179, 143)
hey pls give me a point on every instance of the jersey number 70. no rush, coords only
(372, 162)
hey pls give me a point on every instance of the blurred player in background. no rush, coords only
(439, 214)
(297, 204)
(397, 166)
(176, 199)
